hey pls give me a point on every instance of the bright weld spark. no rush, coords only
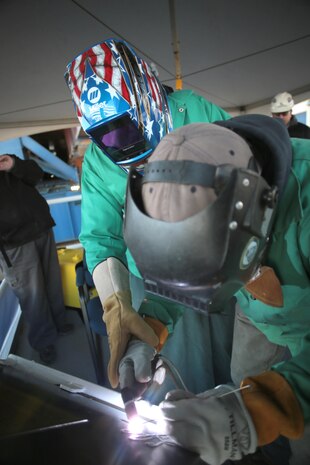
(136, 426)
(148, 420)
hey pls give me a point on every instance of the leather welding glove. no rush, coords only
(111, 280)
(136, 365)
(214, 424)
(220, 424)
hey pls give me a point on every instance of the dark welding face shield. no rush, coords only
(204, 259)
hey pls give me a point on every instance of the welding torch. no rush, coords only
(134, 391)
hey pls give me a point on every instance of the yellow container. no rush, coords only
(68, 258)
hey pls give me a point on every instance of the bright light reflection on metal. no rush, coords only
(75, 187)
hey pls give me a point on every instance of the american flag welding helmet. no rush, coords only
(119, 101)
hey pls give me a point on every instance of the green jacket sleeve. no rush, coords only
(103, 193)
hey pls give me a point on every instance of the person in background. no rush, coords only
(125, 110)
(28, 257)
(222, 210)
(281, 107)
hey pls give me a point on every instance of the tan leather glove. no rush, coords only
(273, 407)
(265, 286)
(111, 279)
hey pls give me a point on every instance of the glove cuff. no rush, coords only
(159, 329)
(110, 277)
(273, 407)
(266, 287)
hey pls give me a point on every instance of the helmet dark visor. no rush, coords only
(120, 139)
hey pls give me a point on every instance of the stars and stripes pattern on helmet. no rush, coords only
(101, 59)
(108, 81)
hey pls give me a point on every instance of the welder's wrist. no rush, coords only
(159, 329)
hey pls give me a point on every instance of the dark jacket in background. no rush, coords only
(297, 129)
(24, 213)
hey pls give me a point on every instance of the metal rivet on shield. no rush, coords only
(233, 225)
(239, 205)
(246, 182)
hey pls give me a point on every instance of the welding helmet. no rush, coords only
(198, 221)
(119, 101)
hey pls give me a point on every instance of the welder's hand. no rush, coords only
(136, 365)
(122, 321)
(215, 424)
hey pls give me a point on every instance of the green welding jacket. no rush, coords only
(289, 255)
(103, 197)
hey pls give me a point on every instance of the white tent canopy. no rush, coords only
(238, 54)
